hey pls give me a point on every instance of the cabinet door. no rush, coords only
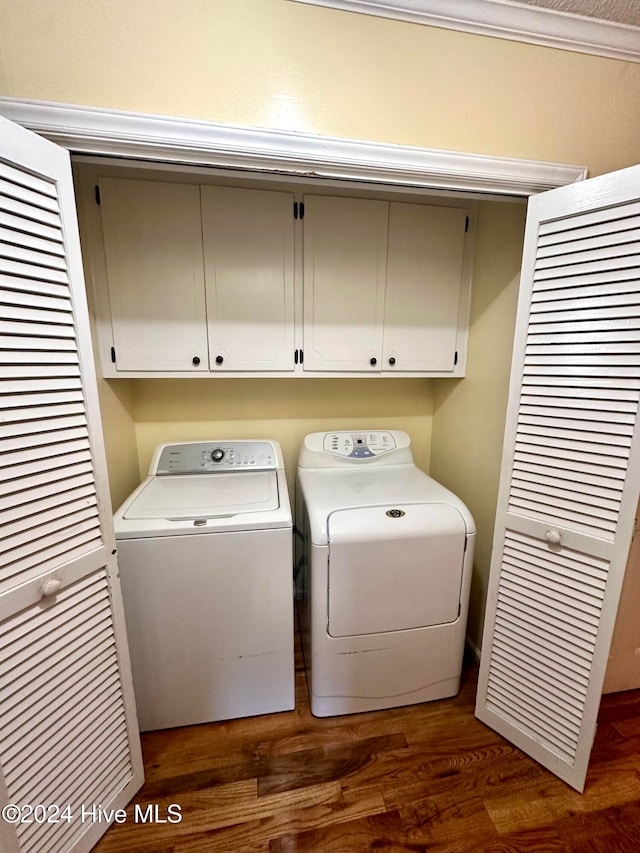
(68, 731)
(153, 251)
(345, 255)
(424, 277)
(248, 254)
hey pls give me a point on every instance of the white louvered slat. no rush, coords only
(45, 483)
(604, 217)
(72, 548)
(20, 225)
(43, 685)
(39, 442)
(29, 181)
(47, 452)
(37, 342)
(23, 545)
(12, 241)
(619, 246)
(544, 476)
(46, 259)
(27, 270)
(21, 192)
(13, 480)
(37, 372)
(67, 722)
(571, 473)
(39, 301)
(13, 520)
(22, 401)
(626, 231)
(9, 283)
(24, 210)
(26, 385)
(548, 283)
(41, 356)
(33, 309)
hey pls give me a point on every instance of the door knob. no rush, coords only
(373, 361)
(553, 537)
(51, 587)
(219, 359)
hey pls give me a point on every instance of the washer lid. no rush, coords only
(205, 496)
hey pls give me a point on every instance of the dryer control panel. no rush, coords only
(359, 445)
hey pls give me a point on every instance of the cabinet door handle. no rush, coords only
(373, 361)
(196, 360)
(219, 359)
(392, 360)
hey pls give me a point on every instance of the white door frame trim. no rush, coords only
(89, 130)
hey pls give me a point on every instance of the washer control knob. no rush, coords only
(217, 455)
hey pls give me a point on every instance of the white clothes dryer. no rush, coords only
(205, 556)
(383, 569)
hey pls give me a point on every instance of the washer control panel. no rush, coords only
(206, 457)
(359, 445)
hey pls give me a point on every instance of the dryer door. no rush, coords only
(394, 567)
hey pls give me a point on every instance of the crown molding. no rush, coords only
(168, 139)
(506, 19)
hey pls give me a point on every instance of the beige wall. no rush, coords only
(116, 408)
(284, 409)
(274, 63)
(468, 424)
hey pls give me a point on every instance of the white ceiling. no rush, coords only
(608, 28)
(620, 11)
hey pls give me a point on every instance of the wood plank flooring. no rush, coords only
(424, 778)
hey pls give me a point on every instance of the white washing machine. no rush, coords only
(383, 569)
(205, 555)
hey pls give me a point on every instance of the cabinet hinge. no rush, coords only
(113, 354)
(455, 358)
(97, 194)
(466, 224)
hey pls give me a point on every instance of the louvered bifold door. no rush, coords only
(570, 473)
(68, 733)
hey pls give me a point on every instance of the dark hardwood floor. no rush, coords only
(424, 778)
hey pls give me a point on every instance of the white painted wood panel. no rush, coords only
(248, 254)
(345, 257)
(153, 252)
(423, 287)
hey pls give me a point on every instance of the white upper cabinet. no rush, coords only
(249, 273)
(345, 256)
(384, 286)
(424, 296)
(153, 254)
(230, 281)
